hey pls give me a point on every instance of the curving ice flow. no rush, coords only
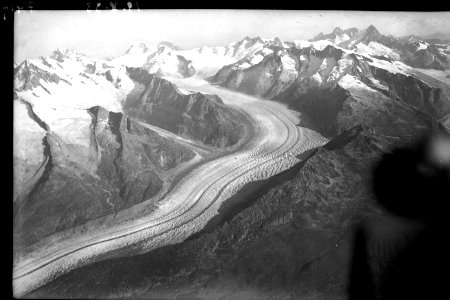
(192, 202)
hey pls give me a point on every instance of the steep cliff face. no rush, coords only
(202, 117)
(28, 149)
(133, 157)
(339, 89)
(294, 240)
(123, 164)
(414, 92)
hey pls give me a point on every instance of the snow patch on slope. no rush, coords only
(374, 48)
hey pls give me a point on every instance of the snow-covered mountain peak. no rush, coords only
(372, 30)
(370, 34)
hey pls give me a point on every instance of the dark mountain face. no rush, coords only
(202, 117)
(124, 165)
(372, 33)
(431, 58)
(338, 31)
(185, 67)
(351, 32)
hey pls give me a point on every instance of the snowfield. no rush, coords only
(190, 204)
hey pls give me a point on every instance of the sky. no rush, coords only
(106, 33)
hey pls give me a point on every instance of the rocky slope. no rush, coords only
(292, 239)
(339, 88)
(202, 117)
(124, 163)
(411, 50)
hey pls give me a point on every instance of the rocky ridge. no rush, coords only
(411, 50)
(200, 116)
(339, 88)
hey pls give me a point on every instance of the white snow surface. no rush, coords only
(206, 60)
(64, 107)
(422, 46)
(374, 48)
(341, 38)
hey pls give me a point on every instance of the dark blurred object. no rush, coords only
(362, 283)
(414, 184)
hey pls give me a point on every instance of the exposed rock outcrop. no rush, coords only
(202, 117)
(28, 76)
(338, 90)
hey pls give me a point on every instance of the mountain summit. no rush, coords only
(371, 34)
